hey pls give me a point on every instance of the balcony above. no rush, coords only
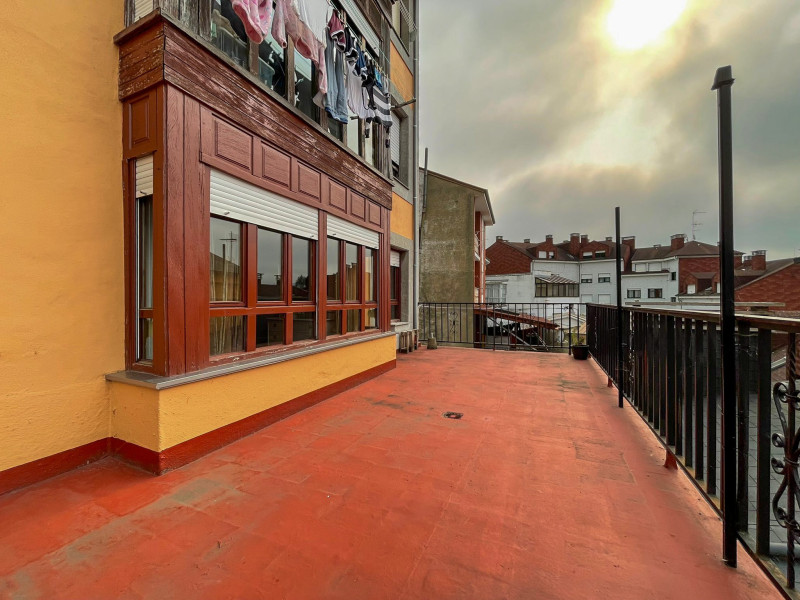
(542, 489)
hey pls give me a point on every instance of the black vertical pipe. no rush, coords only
(711, 414)
(620, 341)
(743, 427)
(723, 80)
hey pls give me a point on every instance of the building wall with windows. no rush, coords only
(62, 319)
(234, 270)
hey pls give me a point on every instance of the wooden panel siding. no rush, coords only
(276, 165)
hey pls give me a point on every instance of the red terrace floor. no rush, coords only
(545, 489)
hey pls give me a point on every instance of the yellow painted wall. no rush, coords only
(185, 412)
(402, 218)
(61, 255)
(401, 74)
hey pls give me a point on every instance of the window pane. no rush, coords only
(304, 85)
(272, 65)
(269, 330)
(335, 128)
(395, 312)
(353, 320)
(304, 326)
(145, 251)
(334, 277)
(145, 339)
(227, 335)
(393, 282)
(372, 318)
(369, 143)
(351, 266)
(226, 261)
(333, 323)
(228, 33)
(353, 130)
(268, 265)
(301, 269)
(370, 263)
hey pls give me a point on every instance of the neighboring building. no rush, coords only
(455, 215)
(239, 266)
(575, 271)
(764, 285)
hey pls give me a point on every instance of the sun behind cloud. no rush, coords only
(633, 24)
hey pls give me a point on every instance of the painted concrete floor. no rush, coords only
(545, 489)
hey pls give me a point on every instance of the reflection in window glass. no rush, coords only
(304, 85)
(394, 280)
(353, 129)
(335, 128)
(372, 318)
(334, 277)
(304, 326)
(301, 269)
(145, 339)
(370, 261)
(333, 323)
(272, 65)
(227, 335)
(226, 261)
(269, 330)
(353, 320)
(268, 265)
(369, 143)
(351, 272)
(228, 33)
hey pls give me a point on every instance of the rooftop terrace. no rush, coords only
(543, 489)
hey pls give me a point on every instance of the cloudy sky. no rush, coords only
(563, 114)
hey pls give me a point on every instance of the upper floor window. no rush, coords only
(228, 33)
(604, 278)
(401, 17)
(542, 254)
(639, 267)
(600, 254)
(586, 278)
(655, 293)
(634, 293)
(545, 289)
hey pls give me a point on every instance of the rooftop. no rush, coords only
(544, 489)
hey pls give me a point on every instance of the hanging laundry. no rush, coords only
(286, 23)
(315, 14)
(379, 79)
(350, 48)
(336, 32)
(255, 16)
(355, 95)
(335, 100)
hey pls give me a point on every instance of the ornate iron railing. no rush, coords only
(671, 374)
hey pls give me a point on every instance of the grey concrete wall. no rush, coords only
(447, 259)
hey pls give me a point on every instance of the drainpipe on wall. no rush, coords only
(415, 179)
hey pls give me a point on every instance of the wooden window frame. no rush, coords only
(395, 275)
(361, 303)
(250, 307)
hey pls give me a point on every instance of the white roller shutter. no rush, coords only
(144, 176)
(394, 259)
(237, 199)
(349, 232)
(395, 139)
(142, 8)
(359, 21)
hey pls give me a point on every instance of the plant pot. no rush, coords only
(580, 351)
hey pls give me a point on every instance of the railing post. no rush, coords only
(671, 399)
(763, 443)
(688, 395)
(620, 338)
(711, 428)
(699, 399)
(679, 395)
(743, 420)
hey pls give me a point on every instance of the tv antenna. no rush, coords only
(695, 223)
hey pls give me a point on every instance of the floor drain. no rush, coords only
(452, 415)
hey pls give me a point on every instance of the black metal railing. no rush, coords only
(671, 375)
(536, 327)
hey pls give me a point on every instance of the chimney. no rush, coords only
(630, 241)
(499, 238)
(574, 243)
(677, 241)
(609, 238)
(527, 240)
(549, 239)
(759, 261)
(747, 260)
(584, 239)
